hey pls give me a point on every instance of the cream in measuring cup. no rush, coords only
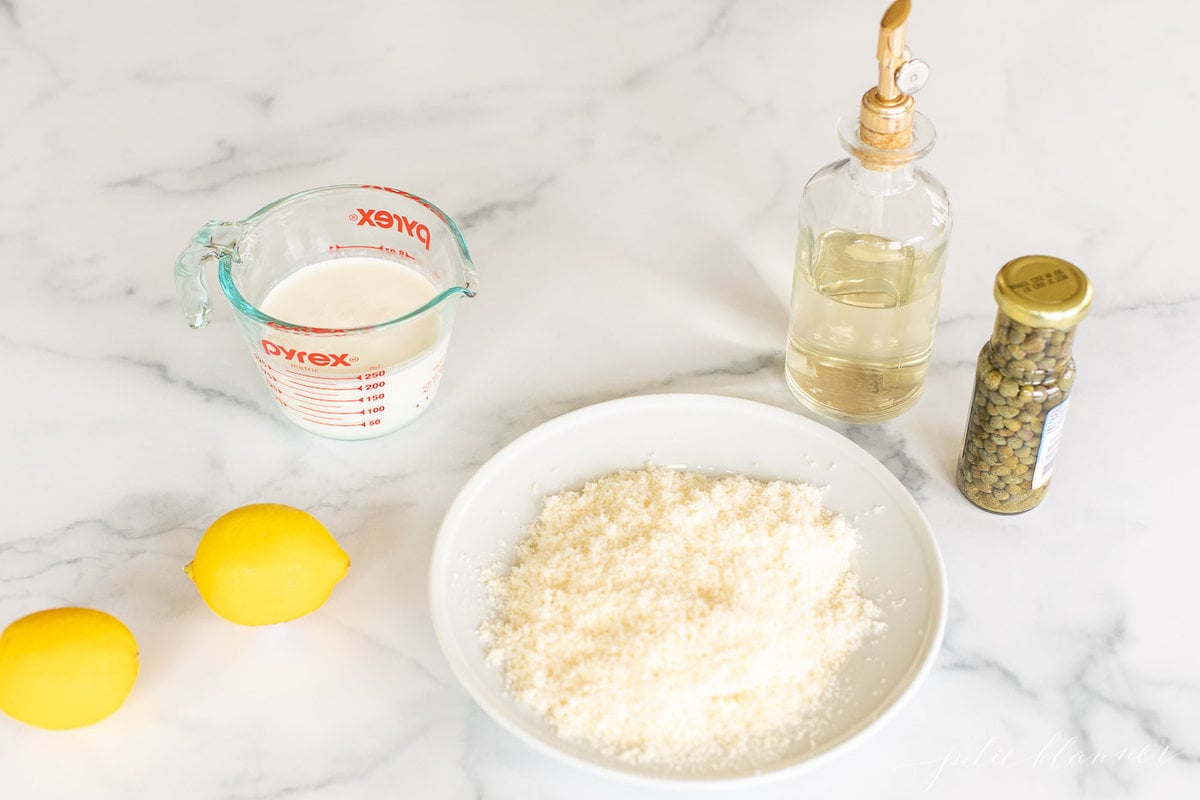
(346, 299)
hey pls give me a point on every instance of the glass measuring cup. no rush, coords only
(342, 383)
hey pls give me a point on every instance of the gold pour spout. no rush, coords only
(886, 119)
(891, 53)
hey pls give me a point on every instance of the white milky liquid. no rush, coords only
(347, 292)
(356, 385)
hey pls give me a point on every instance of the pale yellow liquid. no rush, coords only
(861, 325)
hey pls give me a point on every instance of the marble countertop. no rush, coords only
(627, 175)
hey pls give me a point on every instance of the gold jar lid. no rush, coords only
(1043, 292)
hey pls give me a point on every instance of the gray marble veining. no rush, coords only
(627, 176)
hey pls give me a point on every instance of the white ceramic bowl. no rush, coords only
(900, 565)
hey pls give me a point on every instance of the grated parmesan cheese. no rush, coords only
(678, 621)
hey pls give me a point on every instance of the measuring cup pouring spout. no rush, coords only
(345, 297)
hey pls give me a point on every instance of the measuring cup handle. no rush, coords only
(214, 242)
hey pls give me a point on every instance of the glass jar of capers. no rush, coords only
(1022, 382)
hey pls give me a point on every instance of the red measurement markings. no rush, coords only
(318, 398)
(323, 389)
(315, 405)
(367, 424)
(334, 378)
(396, 251)
(318, 391)
(267, 366)
(337, 424)
(327, 401)
(329, 388)
(327, 413)
(366, 412)
(279, 386)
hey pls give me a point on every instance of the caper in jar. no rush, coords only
(1023, 378)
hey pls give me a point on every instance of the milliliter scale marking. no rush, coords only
(324, 400)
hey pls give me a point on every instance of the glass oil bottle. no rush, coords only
(871, 253)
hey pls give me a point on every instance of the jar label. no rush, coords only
(1051, 433)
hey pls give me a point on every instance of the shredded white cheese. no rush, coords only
(675, 620)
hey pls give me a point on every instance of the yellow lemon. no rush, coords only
(66, 667)
(266, 563)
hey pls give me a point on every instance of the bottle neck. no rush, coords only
(891, 180)
(1028, 354)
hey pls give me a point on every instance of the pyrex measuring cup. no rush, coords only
(343, 383)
